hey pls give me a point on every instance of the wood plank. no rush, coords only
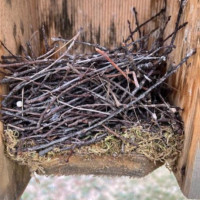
(187, 82)
(125, 165)
(186, 93)
(192, 175)
(15, 29)
(103, 21)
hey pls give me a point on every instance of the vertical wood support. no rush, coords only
(186, 93)
(187, 82)
(17, 20)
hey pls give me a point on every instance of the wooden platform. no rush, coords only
(105, 22)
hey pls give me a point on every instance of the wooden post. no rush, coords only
(186, 93)
(187, 83)
(15, 29)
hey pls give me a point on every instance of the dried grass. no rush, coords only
(162, 147)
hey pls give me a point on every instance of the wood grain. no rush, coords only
(15, 29)
(185, 94)
(187, 83)
(133, 165)
(192, 175)
(105, 22)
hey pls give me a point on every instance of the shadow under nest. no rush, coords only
(108, 102)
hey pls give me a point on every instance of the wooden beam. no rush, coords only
(14, 178)
(186, 93)
(191, 173)
(15, 28)
(134, 165)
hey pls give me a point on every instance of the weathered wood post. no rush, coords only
(15, 20)
(186, 93)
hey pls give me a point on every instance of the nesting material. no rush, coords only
(108, 102)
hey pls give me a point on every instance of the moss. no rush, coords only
(161, 146)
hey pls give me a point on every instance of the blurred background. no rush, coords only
(159, 185)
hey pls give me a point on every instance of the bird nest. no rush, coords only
(108, 102)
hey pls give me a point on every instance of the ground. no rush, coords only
(160, 185)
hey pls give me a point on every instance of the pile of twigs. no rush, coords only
(77, 100)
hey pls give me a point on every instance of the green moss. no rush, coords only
(161, 146)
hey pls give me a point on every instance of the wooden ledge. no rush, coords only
(134, 165)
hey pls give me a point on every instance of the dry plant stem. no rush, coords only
(79, 42)
(146, 22)
(123, 139)
(28, 63)
(113, 64)
(137, 24)
(176, 25)
(180, 27)
(13, 56)
(46, 44)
